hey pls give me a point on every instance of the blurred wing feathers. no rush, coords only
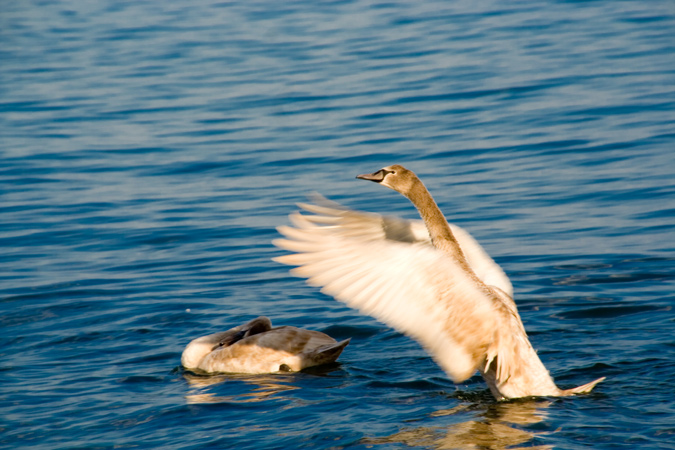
(414, 288)
(369, 226)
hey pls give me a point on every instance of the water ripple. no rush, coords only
(151, 148)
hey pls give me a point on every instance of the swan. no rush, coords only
(429, 280)
(256, 348)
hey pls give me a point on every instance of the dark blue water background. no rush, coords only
(149, 150)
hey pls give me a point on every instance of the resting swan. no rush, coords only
(432, 282)
(256, 347)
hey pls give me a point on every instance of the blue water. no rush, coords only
(149, 150)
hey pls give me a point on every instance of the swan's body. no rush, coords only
(432, 281)
(256, 347)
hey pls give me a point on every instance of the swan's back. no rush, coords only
(282, 349)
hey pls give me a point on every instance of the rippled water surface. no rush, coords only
(149, 150)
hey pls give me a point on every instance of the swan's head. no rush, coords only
(394, 177)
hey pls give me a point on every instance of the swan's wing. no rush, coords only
(369, 226)
(416, 289)
(480, 262)
(363, 225)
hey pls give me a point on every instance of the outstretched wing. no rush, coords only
(369, 226)
(412, 287)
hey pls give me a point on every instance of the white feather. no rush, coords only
(436, 303)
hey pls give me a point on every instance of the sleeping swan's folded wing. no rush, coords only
(412, 287)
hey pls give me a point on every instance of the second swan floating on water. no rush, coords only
(431, 281)
(256, 347)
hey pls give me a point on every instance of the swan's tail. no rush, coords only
(327, 353)
(584, 388)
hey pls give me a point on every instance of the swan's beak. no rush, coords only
(375, 176)
(230, 339)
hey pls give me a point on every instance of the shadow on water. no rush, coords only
(496, 427)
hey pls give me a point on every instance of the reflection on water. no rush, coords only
(493, 430)
(265, 386)
(492, 427)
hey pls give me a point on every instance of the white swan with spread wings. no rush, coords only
(430, 280)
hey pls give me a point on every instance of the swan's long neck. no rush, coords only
(438, 227)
